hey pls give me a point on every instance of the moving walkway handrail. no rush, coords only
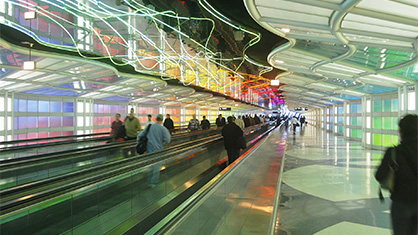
(52, 138)
(87, 177)
(13, 162)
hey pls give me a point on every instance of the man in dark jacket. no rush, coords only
(168, 123)
(220, 121)
(205, 124)
(231, 133)
(405, 193)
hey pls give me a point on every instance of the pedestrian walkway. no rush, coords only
(328, 187)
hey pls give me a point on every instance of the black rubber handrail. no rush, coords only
(52, 138)
(30, 159)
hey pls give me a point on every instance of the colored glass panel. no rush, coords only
(340, 119)
(377, 122)
(395, 123)
(56, 107)
(55, 133)
(340, 110)
(32, 106)
(377, 139)
(68, 121)
(43, 135)
(43, 106)
(32, 122)
(22, 122)
(23, 106)
(100, 121)
(395, 140)
(55, 122)
(43, 122)
(340, 129)
(122, 110)
(106, 108)
(95, 108)
(387, 123)
(114, 109)
(387, 105)
(377, 106)
(68, 107)
(395, 105)
(387, 140)
(354, 121)
(101, 108)
(67, 133)
(16, 105)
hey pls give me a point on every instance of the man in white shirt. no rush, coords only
(295, 122)
(240, 122)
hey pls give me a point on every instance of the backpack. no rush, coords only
(141, 147)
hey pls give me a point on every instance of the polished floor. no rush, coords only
(328, 187)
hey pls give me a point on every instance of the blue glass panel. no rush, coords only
(122, 109)
(68, 121)
(22, 123)
(354, 108)
(43, 106)
(95, 108)
(55, 122)
(340, 110)
(116, 98)
(32, 122)
(23, 105)
(106, 108)
(68, 107)
(43, 122)
(15, 123)
(53, 91)
(32, 106)
(16, 105)
(56, 107)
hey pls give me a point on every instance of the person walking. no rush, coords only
(132, 127)
(115, 128)
(403, 160)
(168, 123)
(158, 135)
(295, 123)
(240, 122)
(220, 121)
(193, 124)
(231, 133)
(205, 124)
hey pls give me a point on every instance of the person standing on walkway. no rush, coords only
(405, 193)
(240, 122)
(231, 133)
(220, 121)
(168, 123)
(149, 121)
(205, 124)
(132, 127)
(193, 124)
(115, 128)
(158, 135)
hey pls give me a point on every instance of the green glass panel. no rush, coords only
(353, 133)
(387, 140)
(377, 157)
(377, 122)
(377, 139)
(387, 106)
(377, 106)
(340, 129)
(387, 123)
(359, 121)
(395, 105)
(394, 123)
(395, 140)
(354, 121)
(359, 133)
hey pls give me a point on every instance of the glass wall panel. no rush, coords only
(377, 106)
(43, 106)
(55, 122)
(32, 106)
(56, 107)
(377, 139)
(377, 122)
(395, 105)
(43, 122)
(387, 140)
(68, 107)
(32, 122)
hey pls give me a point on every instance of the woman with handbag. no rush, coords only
(398, 173)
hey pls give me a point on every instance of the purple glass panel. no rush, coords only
(22, 122)
(114, 109)
(100, 108)
(32, 122)
(68, 121)
(43, 122)
(15, 123)
(122, 110)
(106, 108)
(55, 122)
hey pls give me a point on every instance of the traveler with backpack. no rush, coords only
(157, 136)
(400, 165)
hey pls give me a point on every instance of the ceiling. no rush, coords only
(341, 50)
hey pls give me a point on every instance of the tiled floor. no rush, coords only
(328, 187)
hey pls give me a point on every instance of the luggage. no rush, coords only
(141, 147)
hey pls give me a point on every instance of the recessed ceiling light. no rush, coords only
(286, 30)
(279, 61)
